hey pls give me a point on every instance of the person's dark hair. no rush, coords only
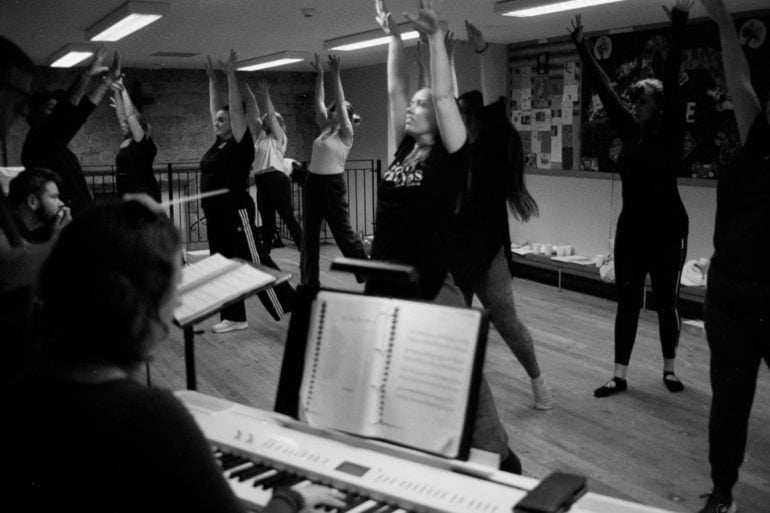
(653, 84)
(104, 283)
(39, 100)
(354, 118)
(30, 181)
(496, 131)
(11, 56)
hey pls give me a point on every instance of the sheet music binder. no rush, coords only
(214, 282)
(335, 355)
(207, 272)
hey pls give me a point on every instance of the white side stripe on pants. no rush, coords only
(243, 213)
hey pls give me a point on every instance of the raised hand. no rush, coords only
(317, 64)
(97, 67)
(316, 495)
(209, 67)
(426, 19)
(475, 37)
(263, 87)
(229, 65)
(116, 70)
(682, 5)
(576, 30)
(117, 85)
(334, 64)
(384, 20)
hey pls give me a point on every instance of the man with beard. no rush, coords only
(38, 211)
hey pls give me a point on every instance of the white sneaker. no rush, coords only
(543, 395)
(227, 326)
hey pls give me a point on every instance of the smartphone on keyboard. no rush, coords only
(555, 494)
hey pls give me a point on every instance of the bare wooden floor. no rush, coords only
(646, 445)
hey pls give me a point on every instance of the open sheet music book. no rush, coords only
(402, 371)
(214, 281)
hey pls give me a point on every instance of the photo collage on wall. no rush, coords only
(545, 101)
(711, 140)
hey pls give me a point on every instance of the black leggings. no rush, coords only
(231, 233)
(737, 316)
(326, 198)
(274, 195)
(634, 259)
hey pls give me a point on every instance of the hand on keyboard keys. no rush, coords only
(317, 495)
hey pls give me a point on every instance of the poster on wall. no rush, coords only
(711, 141)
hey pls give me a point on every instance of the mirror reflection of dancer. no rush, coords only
(652, 134)
(482, 256)
(133, 163)
(117, 265)
(417, 194)
(270, 174)
(325, 192)
(737, 313)
(230, 217)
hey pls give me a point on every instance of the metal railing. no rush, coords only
(182, 179)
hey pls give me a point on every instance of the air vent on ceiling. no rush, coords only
(173, 54)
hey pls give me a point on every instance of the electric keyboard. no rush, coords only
(260, 451)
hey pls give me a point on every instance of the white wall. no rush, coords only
(583, 212)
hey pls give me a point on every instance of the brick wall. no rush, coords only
(179, 116)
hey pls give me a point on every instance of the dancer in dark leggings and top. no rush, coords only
(482, 263)
(653, 224)
(133, 163)
(737, 313)
(230, 217)
(273, 184)
(418, 193)
(325, 192)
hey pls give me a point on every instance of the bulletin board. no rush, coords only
(711, 137)
(545, 104)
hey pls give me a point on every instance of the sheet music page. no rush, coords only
(430, 376)
(212, 282)
(345, 340)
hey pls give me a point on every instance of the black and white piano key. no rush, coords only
(254, 482)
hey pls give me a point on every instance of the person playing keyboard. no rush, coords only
(83, 434)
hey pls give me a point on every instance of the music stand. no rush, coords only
(189, 328)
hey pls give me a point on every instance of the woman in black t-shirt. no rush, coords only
(230, 217)
(418, 193)
(133, 163)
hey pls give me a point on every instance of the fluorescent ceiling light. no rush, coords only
(126, 19)
(525, 8)
(271, 61)
(71, 55)
(371, 38)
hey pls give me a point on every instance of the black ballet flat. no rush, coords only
(672, 382)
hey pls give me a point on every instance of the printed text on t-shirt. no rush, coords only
(403, 176)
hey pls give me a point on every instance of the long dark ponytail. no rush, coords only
(520, 201)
